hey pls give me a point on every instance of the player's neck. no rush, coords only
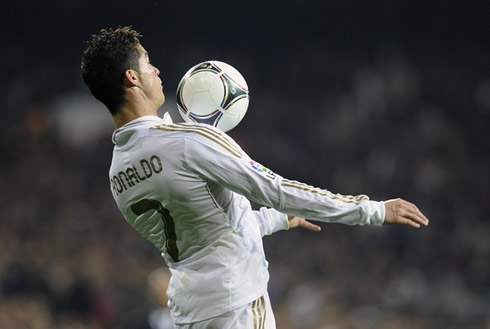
(132, 111)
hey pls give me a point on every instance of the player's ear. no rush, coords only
(130, 78)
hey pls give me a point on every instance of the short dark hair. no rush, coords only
(108, 55)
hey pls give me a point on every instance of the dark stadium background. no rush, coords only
(387, 98)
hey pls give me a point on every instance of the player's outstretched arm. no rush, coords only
(295, 221)
(398, 211)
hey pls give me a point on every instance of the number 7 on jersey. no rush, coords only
(145, 205)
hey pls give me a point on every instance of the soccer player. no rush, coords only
(186, 188)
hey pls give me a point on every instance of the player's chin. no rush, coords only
(162, 98)
(163, 101)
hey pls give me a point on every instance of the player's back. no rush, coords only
(206, 232)
(148, 173)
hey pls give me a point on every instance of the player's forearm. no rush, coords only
(365, 213)
(318, 204)
(271, 220)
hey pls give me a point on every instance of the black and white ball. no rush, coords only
(215, 93)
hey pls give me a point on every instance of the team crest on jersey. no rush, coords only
(262, 170)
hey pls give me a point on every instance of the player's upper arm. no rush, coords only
(216, 157)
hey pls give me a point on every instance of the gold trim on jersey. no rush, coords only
(254, 305)
(307, 188)
(259, 312)
(265, 311)
(205, 132)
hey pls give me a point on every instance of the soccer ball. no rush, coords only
(215, 93)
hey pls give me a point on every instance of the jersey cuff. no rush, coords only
(279, 221)
(378, 215)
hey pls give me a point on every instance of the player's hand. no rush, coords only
(398, 211)
(295, 221)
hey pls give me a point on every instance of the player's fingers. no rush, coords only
(404, 216)
(416, 215)
(406, 220)
(411, 211)
(413, 224)
(309, 226)
(424, 220)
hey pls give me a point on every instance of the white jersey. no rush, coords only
(185, 187)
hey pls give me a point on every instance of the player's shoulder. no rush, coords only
(187, 127)
(194, 131)
(201, 134)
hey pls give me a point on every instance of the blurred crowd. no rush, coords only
(392, 126)
(390, 122)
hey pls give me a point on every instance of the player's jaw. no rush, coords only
(152, 84)
(153, 88)
(159, 91)
(162, 99)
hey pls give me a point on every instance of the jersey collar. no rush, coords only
(144, 119)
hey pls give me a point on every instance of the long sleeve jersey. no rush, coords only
(186, 188)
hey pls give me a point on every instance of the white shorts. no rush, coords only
(256, 315)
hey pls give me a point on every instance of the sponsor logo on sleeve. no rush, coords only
(262, 170)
